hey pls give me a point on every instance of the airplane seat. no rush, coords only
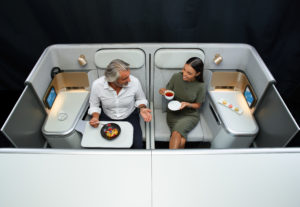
(137, 63)
(166, 63)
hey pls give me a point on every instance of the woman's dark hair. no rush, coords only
(197, 64)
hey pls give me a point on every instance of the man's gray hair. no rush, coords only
(112, 72)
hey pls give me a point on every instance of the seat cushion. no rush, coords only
(162, 131)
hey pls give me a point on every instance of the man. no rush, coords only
(122, 99)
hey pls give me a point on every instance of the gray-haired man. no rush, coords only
(120, 94)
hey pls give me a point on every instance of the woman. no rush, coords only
(190, 90)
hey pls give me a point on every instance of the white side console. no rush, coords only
(59, 127)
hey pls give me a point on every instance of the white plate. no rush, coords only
(174, 105)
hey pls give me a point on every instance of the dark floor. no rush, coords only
(9, 98)
(189, 145)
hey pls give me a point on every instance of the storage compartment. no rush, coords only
(59, 127)
(239, 127)
(66, 99)
(232, 98)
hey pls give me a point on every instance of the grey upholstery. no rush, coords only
(162, 132)
(168, 62)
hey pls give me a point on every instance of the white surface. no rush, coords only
(174, 105)
(175, 58)
(89, 178)
(229, 105)
(134, 57)
(186, 178)
(65, 112)
(236, 124)
(93, 138)
(158, 178)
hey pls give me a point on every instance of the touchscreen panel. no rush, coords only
(51, 97)
(249, 96)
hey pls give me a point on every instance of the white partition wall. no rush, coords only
(157, 178)
(266, 178)
(72, 178)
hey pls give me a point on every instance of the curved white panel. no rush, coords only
(175, 58)
(135, 57)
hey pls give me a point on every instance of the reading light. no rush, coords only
(218, 59)
(82, 61)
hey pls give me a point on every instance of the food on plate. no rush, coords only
(224, 102)
(236, 109)
(111, 132)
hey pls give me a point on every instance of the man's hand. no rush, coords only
(146, 114)
(94, 122)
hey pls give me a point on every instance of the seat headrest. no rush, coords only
(175, 58)
(134, 57)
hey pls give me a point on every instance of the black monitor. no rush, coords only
(249, 96)
(50, 98)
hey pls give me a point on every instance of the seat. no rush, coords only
(166, 63)
(162, 132)
(137, 61)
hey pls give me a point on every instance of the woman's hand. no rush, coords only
(146, 114)
(162, 91)
(184, 104)
(190, 105)
(94, 122)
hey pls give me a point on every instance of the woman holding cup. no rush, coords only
(189, 89)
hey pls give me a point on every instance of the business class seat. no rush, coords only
(166, 63)
(137, 63)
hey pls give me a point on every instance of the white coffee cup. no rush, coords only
(169, 95)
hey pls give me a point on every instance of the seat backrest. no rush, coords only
(166, 63)
(135, 57)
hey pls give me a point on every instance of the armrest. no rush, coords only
(164, 104)
(152, 124)
(147, 135)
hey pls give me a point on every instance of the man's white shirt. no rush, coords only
(116, 106)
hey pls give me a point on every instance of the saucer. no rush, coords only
(174, 105)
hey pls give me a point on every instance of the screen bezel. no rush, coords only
(46, 97)
(253, 95)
